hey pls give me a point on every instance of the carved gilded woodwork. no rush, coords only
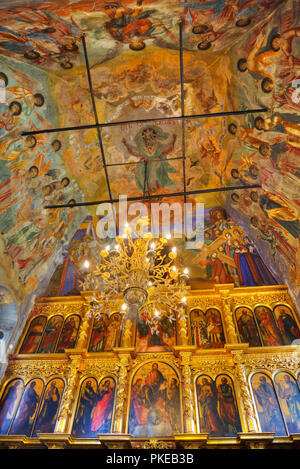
(237, 360)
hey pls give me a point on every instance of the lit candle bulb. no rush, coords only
(168, 236)
(183, 299)
(186, 271)
(86, 264)
(152, 246)
(124, 306)
(174, 249)
(156, 313)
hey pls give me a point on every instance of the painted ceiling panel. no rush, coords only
(121, 75)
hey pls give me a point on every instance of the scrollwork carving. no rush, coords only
(155, 444)
(28, 369)
(58, 308)
(245, 395)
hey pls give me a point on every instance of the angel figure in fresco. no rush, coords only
(247, 328)
(9, 404)
(138, 408)
(218, 271)
(129, 25)
(68, 335)
(173, 404)
(152, 171)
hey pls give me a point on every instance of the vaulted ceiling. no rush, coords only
(205, 92)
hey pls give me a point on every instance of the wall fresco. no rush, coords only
(235, 56)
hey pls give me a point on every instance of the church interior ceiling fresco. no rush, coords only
(203, 94)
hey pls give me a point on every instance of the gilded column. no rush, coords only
(228, 318)
(82, 342)
(63, 423)
(245, 400)
(188, 401)
(122, 390)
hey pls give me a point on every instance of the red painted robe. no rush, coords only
(102, 410)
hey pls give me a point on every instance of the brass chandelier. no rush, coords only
(142, 270)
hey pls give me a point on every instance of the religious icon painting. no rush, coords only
(49, 408)
(287, 323)
(155, 403)
(9, 403)
(198, 329)
(28, 408)
(215, 328)
(68, 334)
(99, 332)
(156, 334)
(34, 335)
(95, 406)
(103, 411)
(51, 334)
(112, 338)
(86, 402)
(267, 405)
(217, 407)
(106, 333)
(247, 327)
(207, 329)
(289, 397)
(209, 419)
(227, 406)
(268, 328)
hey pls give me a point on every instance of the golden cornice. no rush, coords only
(211, 365)
(272, 362)
(64, 308)
(37, 368)
(245, 440)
